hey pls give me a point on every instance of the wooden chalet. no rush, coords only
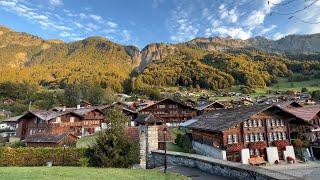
(208, 107)
(253, 127)
(147, 119)
(80, 121)
(170, 111)
(310, 114)
(51, 140)
(242, 102)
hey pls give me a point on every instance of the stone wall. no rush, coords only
(148, 141)
(210, 151)
(216, 166)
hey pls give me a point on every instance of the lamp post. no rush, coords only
(165, 149)
(64, 149)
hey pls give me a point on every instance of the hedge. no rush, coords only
(40, 156)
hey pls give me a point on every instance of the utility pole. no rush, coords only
(165, 149)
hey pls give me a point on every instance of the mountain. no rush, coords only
(53, 63)
(213, 62)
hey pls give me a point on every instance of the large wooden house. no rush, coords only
(79, 121)
(253, 127)
(170, 111)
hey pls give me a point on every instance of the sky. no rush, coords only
(141, 22)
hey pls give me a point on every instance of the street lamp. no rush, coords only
(64, 149)
(165, 149)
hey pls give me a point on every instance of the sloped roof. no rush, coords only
(167, 99)
(12, 119)
(223, 119)
(286, 104)
(306, 113)
(147, 118)
(47, 115)
(203, 106)
(47, 138)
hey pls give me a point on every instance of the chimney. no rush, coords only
(64, 108)
(78, 106)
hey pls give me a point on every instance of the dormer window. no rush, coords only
(259, 123)
(273, 122)
(281, 122)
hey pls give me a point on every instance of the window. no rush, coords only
(58, 119)
(261, 137)
(245, 124)
(270, 137)
(281, 122)
(256, 137)
(251, 138)
(161, 106)
(250, 123)
(72, 119)
(277, 122)
(254, 123)
(235, 138)
(247, 138)
(275, 136)
(259, 123)
(284, 137)
(229, 139)
(268, 122)
(279, 135)
(251, 152)
(257, 152)
(273, 122)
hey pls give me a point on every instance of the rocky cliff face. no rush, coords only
(154, 52)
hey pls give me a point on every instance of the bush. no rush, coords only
(246, 90)
(39, 156)
(113, 148)
(185, 142)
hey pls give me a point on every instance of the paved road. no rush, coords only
(193, 173)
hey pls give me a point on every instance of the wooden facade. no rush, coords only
(78, 122)
(269, 127)
(170, 111)
(52, 140)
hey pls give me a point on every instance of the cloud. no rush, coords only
(237, 33)
(112, 24)
(229, 15)
(65, 23)
(181, 26)
(266, 30)
(126, 35)
(56, 2)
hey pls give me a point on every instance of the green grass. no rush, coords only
(283, 84)
(173, 147)
(80, 173)
(86, 141)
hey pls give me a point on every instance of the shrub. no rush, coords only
(39, 156)
(113, 148)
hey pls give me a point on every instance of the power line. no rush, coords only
(297, 11)
(304, 21)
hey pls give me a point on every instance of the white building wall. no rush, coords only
(272, 154)
(245, 155)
